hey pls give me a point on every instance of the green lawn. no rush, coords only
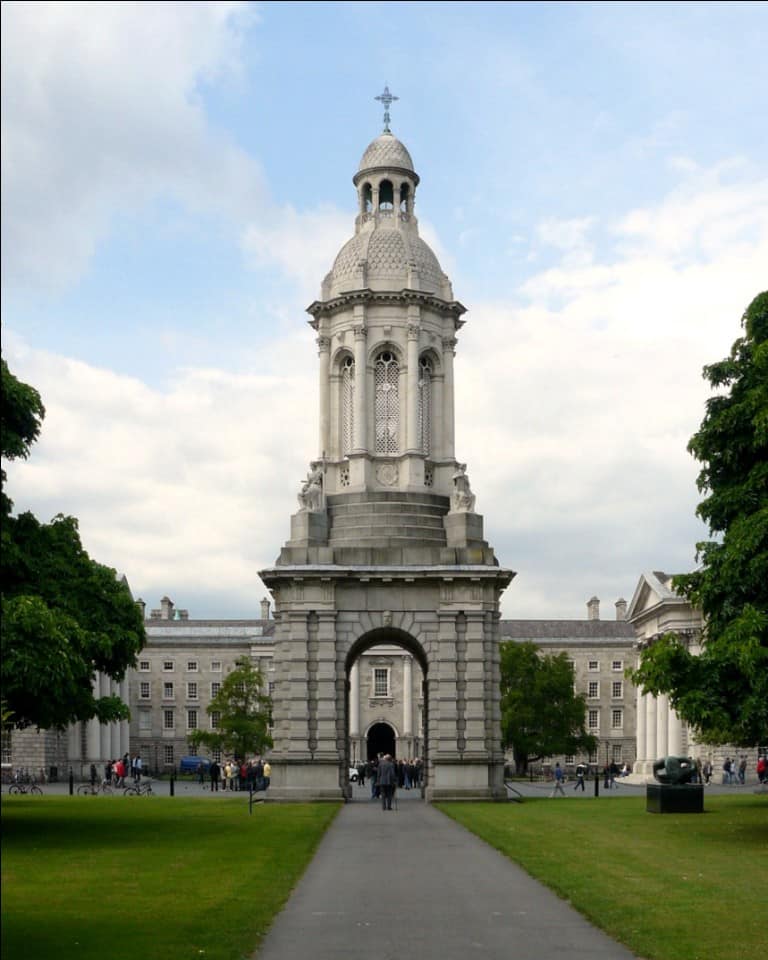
(671, 887)
(106, 877)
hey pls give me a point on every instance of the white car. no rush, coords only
(353, 777)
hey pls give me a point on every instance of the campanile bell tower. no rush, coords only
(386, 545)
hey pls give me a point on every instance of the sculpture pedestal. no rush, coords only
(675, 798)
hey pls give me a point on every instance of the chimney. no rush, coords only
(593, 609)
(265, 609)
(621, 609)
(166, 606)
(142, 606)
(183, 614)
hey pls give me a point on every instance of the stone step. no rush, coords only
(387, 507)
(369, 534)
(385, 520)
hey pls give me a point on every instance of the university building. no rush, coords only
(386, 625)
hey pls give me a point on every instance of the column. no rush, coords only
(412, 388)
(675, 736)
(640, 722)
(104, 731)
(114, 727)
(74, 741)
(407, 696)
(354, 700)
(125, 726)
(324, 352)
(662, 726)
(650, 728)
(361, 382)
(438, 417)
(449, 348)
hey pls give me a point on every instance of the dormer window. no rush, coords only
(386, 195)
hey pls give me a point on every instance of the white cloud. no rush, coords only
(574, 409)
(187, 490)
(87, 135)
(301, 245)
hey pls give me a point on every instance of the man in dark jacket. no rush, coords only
(387, 780)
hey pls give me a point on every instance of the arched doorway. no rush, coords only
(381, 739)
(386, 703)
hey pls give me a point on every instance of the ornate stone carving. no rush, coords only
(462, 500)
(323, 344)
(387, 474)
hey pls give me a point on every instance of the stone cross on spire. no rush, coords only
(386, 98)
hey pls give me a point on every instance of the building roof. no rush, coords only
(592, 630)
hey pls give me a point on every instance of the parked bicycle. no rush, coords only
(25, 788)
(139, 790)
(93, 789)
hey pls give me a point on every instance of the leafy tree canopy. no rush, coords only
(64, 616)
(540, 714)
(724, 691)
(243, 714)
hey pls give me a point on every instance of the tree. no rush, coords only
(540, 714)
(723, 692)
(243, 714)
(64, 616)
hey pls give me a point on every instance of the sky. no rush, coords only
(176, 181)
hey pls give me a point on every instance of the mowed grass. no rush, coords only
(110, 877)
(670, 887)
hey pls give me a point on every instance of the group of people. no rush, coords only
(408, 774)
(237, 775)
(117, 771)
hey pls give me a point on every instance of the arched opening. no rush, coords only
(386, 402)
(404, 194)
(425, 405)
(386, 195)
(387, 700)
(347, 404)
(380, 740)
(367, 198)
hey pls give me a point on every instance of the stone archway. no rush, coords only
(387, 694)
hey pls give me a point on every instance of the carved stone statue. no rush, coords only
(674, 770)
(311, 493)
(463, 500)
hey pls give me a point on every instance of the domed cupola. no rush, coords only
(386, 253)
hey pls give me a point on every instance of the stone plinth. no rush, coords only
(673, 798)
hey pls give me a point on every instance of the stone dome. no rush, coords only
(385, 151)
(388, 254)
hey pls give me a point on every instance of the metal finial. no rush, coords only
(386, 98)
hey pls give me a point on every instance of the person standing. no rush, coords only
(387, 781)
(214, 774)
(267, 775)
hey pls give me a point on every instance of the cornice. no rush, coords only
(319, 308)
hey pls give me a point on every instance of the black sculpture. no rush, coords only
(674, 770)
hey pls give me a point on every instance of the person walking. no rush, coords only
(387, 781)
(580, 771)
(559, 778)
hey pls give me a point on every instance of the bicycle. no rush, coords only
(139, 790)
(25, 788)
(92, 789)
